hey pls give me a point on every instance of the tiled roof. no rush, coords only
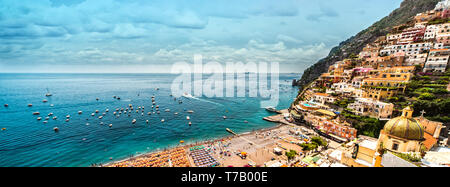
(430, 141)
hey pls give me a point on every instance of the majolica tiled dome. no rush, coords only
(405, 126)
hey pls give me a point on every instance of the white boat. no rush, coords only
(224, 117)
(190, 111)
(167, 110)
(68, 116)
(162, 120)
(100, 117)
(36, 113)
(80, 112)
(39, 118)
(188, 118)
(272, 109)
(48, 94)
(134, 121)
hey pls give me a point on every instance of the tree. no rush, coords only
(291, 154)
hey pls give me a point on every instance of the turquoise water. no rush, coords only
(29, 142)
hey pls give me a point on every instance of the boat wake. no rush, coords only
(189, 96)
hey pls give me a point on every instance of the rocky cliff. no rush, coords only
(408, 9)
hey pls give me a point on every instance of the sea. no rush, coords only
(86, 140)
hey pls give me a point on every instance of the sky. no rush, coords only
(136, 36)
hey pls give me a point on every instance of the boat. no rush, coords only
(110, 125)
(93, 114)
(68, 116)
(134, 121)
(30, 105)
(36, 113)
(80, 112)
(96, 111)
(190, 123)
(107, 110)
(6, 105)
(162, 120)
(224, 117)
(188, 118)
(67, 120)
(271, 109)
(55, 118)
(44, 101)
(39, 118)
(56, 129)
(45, 122)
(167, 110)
(48, 94)
(149, 113)
(50, 114)
(100, 117)
(230, 131)
(146, 121)
(47, 118)
(176, 113)
(190, 111)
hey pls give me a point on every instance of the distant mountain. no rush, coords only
(408, 9)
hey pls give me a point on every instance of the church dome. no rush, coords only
(405, 126)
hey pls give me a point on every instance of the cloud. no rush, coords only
(290, 39)
(324, 12)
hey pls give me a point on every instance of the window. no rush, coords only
(395, 146)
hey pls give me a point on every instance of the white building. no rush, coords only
(430, 32)
(372, 108)
(437, 60)
(408, 49)
(418, 59)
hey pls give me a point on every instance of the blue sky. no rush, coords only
(132, 36)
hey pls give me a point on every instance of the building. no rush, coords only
(416, 60)
(443, 34)
(339, 129)
(408, 49)
(437, 60)
(372, 108)
(402, 134)
(430, 32)
(411, 35)
(323, 98)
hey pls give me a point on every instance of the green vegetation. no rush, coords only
(343, 103)
(410, 157)
(427, 96)
(365, 125)
(315, 143)
(291, 154)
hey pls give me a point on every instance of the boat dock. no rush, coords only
(279, 118)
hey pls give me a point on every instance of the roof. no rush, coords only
(404, 127)
(390, 160)
(430, 141)
(439, 50)
(322, 94)
(369, 144)
(326, 112)
(440, 158)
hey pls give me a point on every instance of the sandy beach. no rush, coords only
(254, 148)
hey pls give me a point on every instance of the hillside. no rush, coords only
(407, 10)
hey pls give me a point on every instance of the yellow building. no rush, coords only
(402, 134)
(379, 93)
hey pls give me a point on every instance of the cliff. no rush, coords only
(408, 9)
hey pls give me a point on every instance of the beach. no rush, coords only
(255, 148)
